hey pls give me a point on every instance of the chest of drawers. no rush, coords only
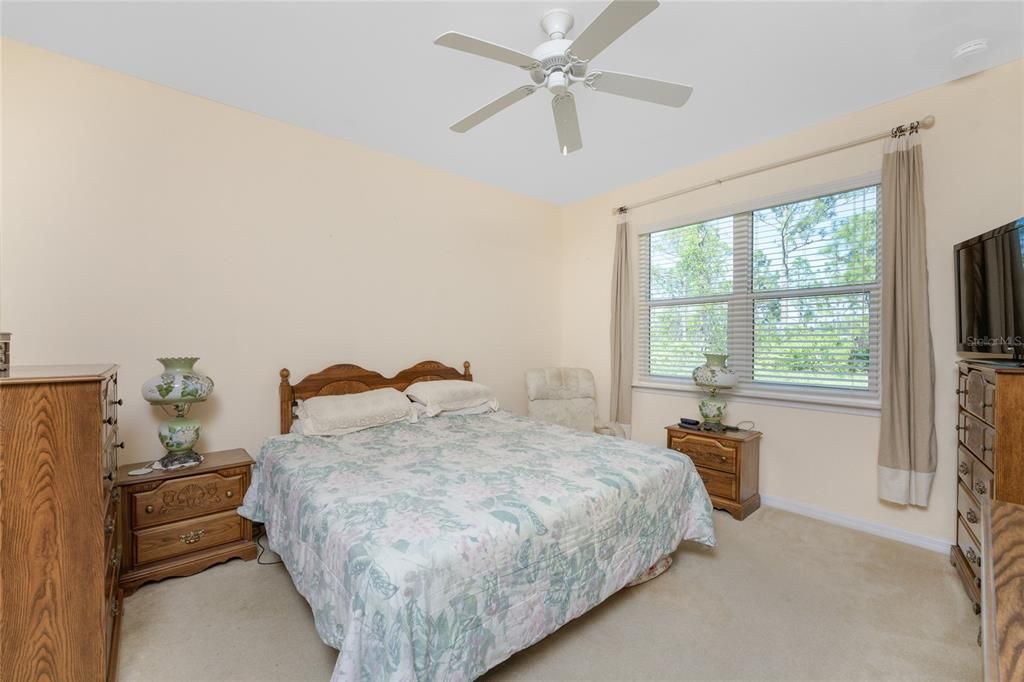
(990, 457)
(61, 549)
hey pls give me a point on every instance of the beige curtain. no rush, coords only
(622, 326)
(906, 449)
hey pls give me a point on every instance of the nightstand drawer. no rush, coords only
(184, 537)
(718, 484)
(185, 498)
(705, 452)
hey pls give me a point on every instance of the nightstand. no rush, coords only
(177, 523)
(727, 463)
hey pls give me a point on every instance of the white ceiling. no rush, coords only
(368, 72)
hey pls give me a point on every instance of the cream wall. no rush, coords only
(138, 221)
(820, 459)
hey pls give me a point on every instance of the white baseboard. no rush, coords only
(915, 539)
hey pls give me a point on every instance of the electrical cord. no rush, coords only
(263, 549)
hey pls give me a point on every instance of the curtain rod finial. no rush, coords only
(927, 122)
(621, 209)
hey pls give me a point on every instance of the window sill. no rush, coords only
(802, 400)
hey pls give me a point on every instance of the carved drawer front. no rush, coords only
(979, 396)
(965, 466)
(111, 521)
(979, 437)
(706, 452)
(108, 410)
(718, 484)
(184, 498)
(968, 509)
(969, 546)
(113, 563)
(983, 481)
(183, 537)
(110, 448)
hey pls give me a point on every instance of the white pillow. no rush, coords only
(421, 410)
(448, 395)
(336, 415)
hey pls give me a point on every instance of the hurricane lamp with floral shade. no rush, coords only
(175, 390)
(713, 376)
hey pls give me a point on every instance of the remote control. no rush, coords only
(689, 423)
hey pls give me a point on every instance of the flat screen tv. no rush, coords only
(990, 292)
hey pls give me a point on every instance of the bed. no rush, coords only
(435, 550)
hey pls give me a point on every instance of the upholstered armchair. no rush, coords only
(566, 396)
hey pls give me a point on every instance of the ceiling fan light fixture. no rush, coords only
(558, 63)
(558, 83)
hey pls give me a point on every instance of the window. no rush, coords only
(790, 292)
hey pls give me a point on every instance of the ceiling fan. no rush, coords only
(559, 63)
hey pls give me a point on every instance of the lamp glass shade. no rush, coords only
(178, 383)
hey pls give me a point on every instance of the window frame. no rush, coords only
(857, 401)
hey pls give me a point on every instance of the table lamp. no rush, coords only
(178, 386)
(712, 377)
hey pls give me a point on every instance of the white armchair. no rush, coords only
(566, 396)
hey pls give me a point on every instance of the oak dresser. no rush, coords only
(1002, 591)
(727, 462)
(60, 548)
(990, 457)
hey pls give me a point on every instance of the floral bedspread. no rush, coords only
(436, 550)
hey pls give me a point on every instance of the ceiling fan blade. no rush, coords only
(567, 124)
(647, 89)
(482, 48)
(488, 110)
(614, 20)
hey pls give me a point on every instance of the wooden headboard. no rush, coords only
(345, 379)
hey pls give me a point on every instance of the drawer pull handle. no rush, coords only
(971, 516)
(119, 402)
(961, 428)
(971, 556)
(960, 391)
(109, 476)
(987, 448)
(149, 509)
(963, 468)
(981, 488)
(192, 537)
(229, 494)
(109, 421)
(120, 445)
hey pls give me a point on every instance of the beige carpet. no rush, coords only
(783, 597)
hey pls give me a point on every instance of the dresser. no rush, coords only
(1002, 596)
(60, 546)
(181, 522)
(727, 463)
(990, 457)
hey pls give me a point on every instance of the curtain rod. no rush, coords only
(911, 128)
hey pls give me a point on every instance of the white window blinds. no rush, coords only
(790, 292)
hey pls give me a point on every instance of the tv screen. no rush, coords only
(990, 291)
